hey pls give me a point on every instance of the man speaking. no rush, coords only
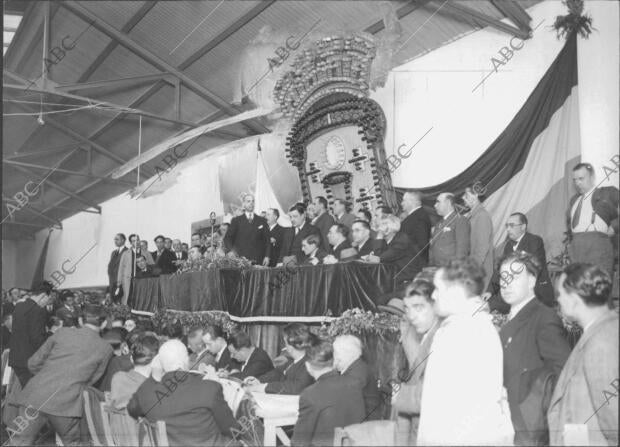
(248, 235)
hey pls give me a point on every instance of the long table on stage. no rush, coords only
(268, 292)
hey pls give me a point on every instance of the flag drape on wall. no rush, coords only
(39, 271)
(527, 168)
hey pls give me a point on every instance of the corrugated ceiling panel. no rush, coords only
(114, 13)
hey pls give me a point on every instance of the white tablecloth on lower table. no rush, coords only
(277, 411)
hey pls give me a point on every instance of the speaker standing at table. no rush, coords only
(248, 234)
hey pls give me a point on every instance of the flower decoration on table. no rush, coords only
(217, 261)
(574, 22)
(165, 317)
(118, 311)
(357, 321)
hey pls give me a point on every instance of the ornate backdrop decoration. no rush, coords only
(326, 92)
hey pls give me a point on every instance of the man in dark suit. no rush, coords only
(396, 250)
(248, 234)
(29, 332)
(519, 239)
(311, 248)
(300, 230)
(450, 237)
(592, 220)
(341, 213)
(417, 225)
(254, 361)
(276, 236)
(323, 220)
(193, 409)
(348, 361)
(115, 259)
(535, 349)
(143, 270)
(164, 258)
(67, 312)
(68, 361)
(179, 254)
(338, 237)
(216, 342)
(332, 401)
(362, 240)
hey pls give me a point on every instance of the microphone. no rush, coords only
(212, 217)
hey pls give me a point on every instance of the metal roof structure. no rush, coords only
(81, 78)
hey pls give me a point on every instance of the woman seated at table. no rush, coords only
(125, 383)
(295, 378)
(333, 401)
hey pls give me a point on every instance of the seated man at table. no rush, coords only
(143, 270)
(125, 383)
(255, 361)
(200, 354)
(216, 342)
(348, 361)
(333, 401)
(338, 237)
(362, 239)
(295, 378)
(311, 246)
(193, 409)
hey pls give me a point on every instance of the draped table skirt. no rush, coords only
(268, 292)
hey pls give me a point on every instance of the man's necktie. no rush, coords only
(249, 218)
(296, 231)
(514, 245)
(577, 214)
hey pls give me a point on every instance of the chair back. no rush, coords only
(152, 434)
(96, 417)
(370, 433)
(125, 429)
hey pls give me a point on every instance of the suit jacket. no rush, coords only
(371, 245)
(117, 363)
(296, 379)
(183, 256)
(346, 219)
(227, 362)
(362, 376)
(293, 241)
(400, 253)
(335, 251)
(249, 239)
(164, 262)
(277, 234)
(115, 259)
(544, 289)
(579, 393)
(258, 364)
(324, 222)
(319, 255)
(417, 226)
(148, 272)
(409, 396)
(69, 317)
(69, 361)
(534, 344)
(332, 401)
(604, 204)
(29, 332)
(481, 240)
(450, 239)
(194, 411)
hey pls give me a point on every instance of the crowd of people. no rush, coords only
(465, 382)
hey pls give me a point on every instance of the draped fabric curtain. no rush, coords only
(527, 168)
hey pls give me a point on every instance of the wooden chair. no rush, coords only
(370, 433)
(97, 418)
(152, 434)
(125, 429)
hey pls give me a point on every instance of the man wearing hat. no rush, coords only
(68, 361)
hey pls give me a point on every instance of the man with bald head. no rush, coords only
(450, 237)
(193, 409)
(348, 361)
(177, 247)
(248, 234)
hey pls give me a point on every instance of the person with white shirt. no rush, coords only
(450, 237)
(216, 342)
(463, 398)
(535, 349)
(592, 219)
(276, 235)
(310, 245)
(115, 259)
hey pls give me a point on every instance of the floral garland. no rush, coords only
(228, 261)
(357, 321)
(574, 21)
(166, 317)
